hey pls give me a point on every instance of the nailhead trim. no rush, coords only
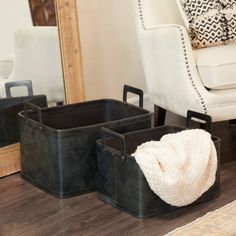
(185, 55)
(189, 72)
(141, 14)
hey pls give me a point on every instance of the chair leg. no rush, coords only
(59, 103)
(159, 116)
(232, 122)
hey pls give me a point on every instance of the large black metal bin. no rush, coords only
(121, 182)
(58, 144)
(9, 109)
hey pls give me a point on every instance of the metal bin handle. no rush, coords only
(29, 106)
(27, 83)
(200, 116)
(107, 132)
(134, 90)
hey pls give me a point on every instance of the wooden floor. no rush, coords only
(28, 211)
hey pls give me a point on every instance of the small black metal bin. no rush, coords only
(9, 109)
(121, 182)
(58, 144)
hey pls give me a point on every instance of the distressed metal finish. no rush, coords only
(121, 182)
(59, 154)
(26, 83)
(136, 91)
(9, 109)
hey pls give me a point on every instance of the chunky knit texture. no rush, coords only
(180, 167)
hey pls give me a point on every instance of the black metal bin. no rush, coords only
(58, 144)
(9, 109)
(121, 182)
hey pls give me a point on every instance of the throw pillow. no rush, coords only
(207, 31)
(230, 16)
(227, 3)
(211, 22)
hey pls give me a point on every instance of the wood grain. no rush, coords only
(42, 12)
(68, 26)
(26, 210)
(9, 159)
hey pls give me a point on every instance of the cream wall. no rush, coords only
(13, 14)
(109, 47)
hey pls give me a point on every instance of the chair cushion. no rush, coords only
(217, 66)
(210, 22)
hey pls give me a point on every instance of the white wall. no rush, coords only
(108, 39)
(13, 14)
(109, 47)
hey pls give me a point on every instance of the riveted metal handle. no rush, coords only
(207, 125)
(109, 133)
(31, 107)
(27, 83)
(134, 90)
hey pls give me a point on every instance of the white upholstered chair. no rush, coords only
(13, 15)
(37, 58)
(179, 78)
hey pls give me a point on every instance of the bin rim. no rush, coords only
(216, 140)
(21, 97)
(74, 131)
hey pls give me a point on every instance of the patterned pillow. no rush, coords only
(207, 31)
(227, 3)
(230, 17)
(211, 22)
(194, 9)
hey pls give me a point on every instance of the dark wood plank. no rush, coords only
(26, 210)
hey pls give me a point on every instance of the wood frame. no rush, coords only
(9, 159)
(68, 27)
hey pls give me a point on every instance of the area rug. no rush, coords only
(221, 222)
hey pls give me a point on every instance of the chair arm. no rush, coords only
(6, 65)
(170, 70)
(37, 58)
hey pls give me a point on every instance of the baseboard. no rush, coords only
(147, 104)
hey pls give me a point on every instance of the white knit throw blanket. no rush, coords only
(180, 167)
